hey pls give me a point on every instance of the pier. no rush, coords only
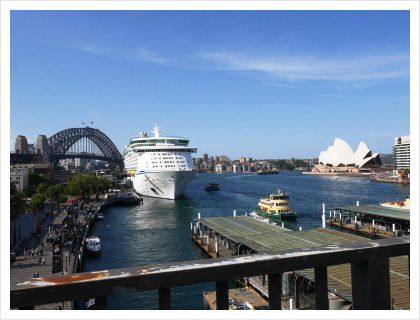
(243, 235)
(113, 199)
(373, 221)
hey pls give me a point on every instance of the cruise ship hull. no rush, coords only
(164, 184)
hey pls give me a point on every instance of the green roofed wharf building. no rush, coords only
(229, 236)
(374, 221)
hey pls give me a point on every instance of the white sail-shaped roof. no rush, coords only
(341, 154)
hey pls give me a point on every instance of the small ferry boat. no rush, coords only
(276, 208)
(403, 204)
(212, 187)
(261, 172)
(93, 245)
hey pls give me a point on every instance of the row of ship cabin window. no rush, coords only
(166, 166)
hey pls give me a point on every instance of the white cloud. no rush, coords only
(286, 68)
(146, 55)
(93, 49)
(139, 54)
(300, 68)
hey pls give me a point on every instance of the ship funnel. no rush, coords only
(156, 131)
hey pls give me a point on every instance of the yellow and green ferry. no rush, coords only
(276, 208)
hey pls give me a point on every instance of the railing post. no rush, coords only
(296, 293)
(371, 284)
(274, 291)
(165, 299)
(222, 295)
(380, 291)
(360, 285)
(321, 289)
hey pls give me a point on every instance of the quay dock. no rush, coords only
(113, 199)
(242, 235)
(373, 221)
(24, 267)
(68, 229)
(72, 226)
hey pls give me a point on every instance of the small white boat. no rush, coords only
(100, 216)
(93, 245)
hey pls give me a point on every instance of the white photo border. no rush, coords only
(8, 6)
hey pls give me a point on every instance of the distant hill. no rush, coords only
(387, 158)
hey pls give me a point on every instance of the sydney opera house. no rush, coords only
(340, 158)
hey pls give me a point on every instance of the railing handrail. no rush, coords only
(164, 276)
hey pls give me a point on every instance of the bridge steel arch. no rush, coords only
(61, 142)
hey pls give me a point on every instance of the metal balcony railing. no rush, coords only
(369, 272)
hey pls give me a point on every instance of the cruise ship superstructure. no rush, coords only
(159, 166)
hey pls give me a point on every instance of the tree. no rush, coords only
(42, 187)
(34, 179)
(52, 193)
(86, 185)
(62, 198)
(17, 207)
(37, 203)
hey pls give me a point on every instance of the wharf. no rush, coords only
(121, 199)
(226, 236)
(373, 221)
(368, 231)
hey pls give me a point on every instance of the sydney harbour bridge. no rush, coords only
(83, 143)
(73, 143)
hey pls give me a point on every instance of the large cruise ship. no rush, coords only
(159, 166)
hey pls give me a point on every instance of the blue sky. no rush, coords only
(265, 84)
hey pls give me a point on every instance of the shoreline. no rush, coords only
(346, 174)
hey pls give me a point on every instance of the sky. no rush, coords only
(263, 84)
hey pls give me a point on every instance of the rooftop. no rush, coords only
(267, 238)
(379, 211)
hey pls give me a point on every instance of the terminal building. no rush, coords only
(402, 152)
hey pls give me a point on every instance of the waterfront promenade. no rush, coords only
(24, 267)
(68, 237)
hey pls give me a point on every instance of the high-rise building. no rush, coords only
(205, 157)
(19, 176)
(41, 146)
(21, 145)
(402, 152)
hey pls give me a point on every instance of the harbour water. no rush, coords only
(159, 230)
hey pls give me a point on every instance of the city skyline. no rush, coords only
(259, 84)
